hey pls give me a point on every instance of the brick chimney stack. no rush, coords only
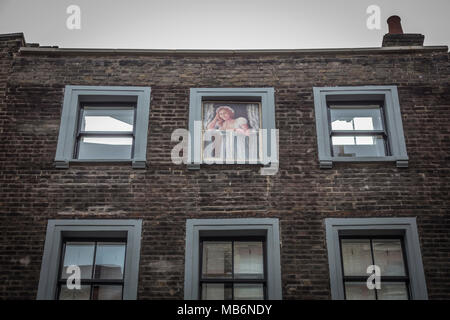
(396, 37)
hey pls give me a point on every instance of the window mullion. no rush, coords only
(232, 269)
(93, 270)
(373, 262)
(357, 133)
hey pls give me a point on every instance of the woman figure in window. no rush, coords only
(224, 120)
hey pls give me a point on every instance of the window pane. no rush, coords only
(389, 257)
(83, 293)
(354, 118)
(105, 148)
(356, 256)
(107, 293)
(248, 260)
(393, 291)
(216, 291)
(244, 291)
(80, 254)
(103, 119)
(358, 146)
(358, 291)
(231, 132)
(217, 259)
(109, 260)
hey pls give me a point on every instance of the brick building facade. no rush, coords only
(163, 196)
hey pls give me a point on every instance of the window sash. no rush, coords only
(405, 279)
(91, 289)
(92, 281)
(348, 105)
(363, 134)
(259, 152)
(358, 133)
(113, 134)
(95, 281)
(234, 280)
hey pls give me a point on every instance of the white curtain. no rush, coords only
(253, 140)
(208, 114)
(253, 115)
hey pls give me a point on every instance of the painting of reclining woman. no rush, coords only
(231, 132)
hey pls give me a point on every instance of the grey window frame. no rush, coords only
(405, 227)
(233, 280)
(75, 95)
(58, 229)
(266, 96)
(197, 228)
(388, 95)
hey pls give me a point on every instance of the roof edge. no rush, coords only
(12, 35)
(95, 51)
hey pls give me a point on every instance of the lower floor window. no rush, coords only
(232, 269)
(101, 264)
(388, 254)
(232, 259)
(90, 259)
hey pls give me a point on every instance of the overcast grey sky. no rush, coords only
(221, 24)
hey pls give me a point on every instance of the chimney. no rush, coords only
(396, 37)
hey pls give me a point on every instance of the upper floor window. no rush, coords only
(106, 131)
(230, 132)
(232, 126)
(358, 124)
(104, 124)
(357, 130)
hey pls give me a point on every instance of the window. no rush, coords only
(385, 252)
(357, 130)
(232, 259)
(232, 268)
(103, 124)
(392, 244)
(232, 126)
(105, 132)
(106, 252)
(230, 132)
(359, 124)
(102, 265)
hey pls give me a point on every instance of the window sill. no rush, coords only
(196, 166)
(270, 169)
(400, 162)
(136, 164)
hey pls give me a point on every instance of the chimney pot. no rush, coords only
(396, 37)
(395, 25)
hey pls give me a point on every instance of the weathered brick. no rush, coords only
(165, 195)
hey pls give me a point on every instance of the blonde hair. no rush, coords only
(226, 108)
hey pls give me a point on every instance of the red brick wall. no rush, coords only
(165, 195)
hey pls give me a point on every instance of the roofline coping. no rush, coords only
(97, 51)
